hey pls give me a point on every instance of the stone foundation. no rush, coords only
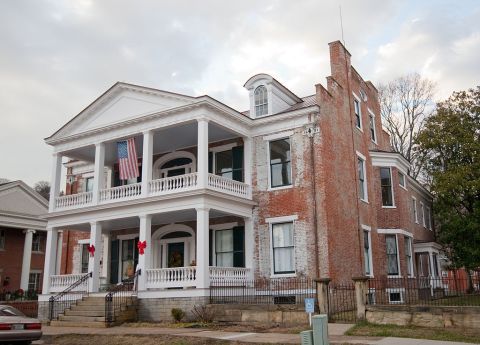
(432, 316)
(43, 311)
(160, 309)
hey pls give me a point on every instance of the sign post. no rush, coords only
(310, 308)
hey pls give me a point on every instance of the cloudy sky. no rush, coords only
(58, 56)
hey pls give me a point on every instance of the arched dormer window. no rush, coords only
(261, 101)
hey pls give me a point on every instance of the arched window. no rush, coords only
(261, 101)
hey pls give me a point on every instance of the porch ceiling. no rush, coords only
(157, 219)
(164, 140)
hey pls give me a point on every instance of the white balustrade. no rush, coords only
(171, 277)
(119, 193)
(59, 283)
(73, 200)
(229, 275)
(229, 186)
(173, 184)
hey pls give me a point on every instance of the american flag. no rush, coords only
(127, 159)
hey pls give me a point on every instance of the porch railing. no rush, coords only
(229, 186)
(121, 192)
(173, 183)
(232, 275)
(73, 200)
(120, 297)
(171, 277)
(65, 299)
(58, 283)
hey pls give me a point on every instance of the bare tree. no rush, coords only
(43, 188)
(405, 104)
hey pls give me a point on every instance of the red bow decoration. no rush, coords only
(91, 249)
(141, 247)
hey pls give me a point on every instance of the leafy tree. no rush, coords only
(405, 103)
(43, 188)
(451, 141)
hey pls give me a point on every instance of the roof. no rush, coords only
(306, 102)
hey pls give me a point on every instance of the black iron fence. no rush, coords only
(342, 306)
(68, 297)
(263, 291)
(440, 291)
(120, 296)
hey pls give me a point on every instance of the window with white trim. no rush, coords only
(362, 180)
(358, 113)
(280, 164)
(387, 187)
(85, 257)
(261, 101)
(395, 296)
(422, 209)
(89, 184)
(392, 255)
(408, 255)
(401, 180)
(34, 281)
(414, 209)
(429, 219)
(367, 252)
(283, 248)
(229, 247)
(2, 239)
(435, 264)
(36, 242)
(373, 134)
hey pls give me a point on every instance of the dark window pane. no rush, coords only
(280, 162)
(386, 183)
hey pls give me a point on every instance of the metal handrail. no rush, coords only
(118, 295)
(68, 296)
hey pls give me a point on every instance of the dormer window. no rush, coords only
(261, 101)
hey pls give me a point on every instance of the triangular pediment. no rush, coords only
(122, 102)
(18, 198)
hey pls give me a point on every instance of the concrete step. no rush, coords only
(80, 312)
(77, 324)
(76, 318)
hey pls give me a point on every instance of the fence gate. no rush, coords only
(342, 306)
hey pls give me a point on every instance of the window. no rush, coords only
(367, 254)
(36, 244)
(89, 184)
(280, 165)
(229, 163)
(401, 179)
(386, 182)
(358, 115)
(429, 219)
(435, 264)
(408, 256)
(85, 257)
(372, 128)
(261, 101)
(283, 248)
(229, 247)
(395, 296)
(422, 209)
(392, 255)
(362, 182)
(2, 239)
(414, 209)
(34, 281)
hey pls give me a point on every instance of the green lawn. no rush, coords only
(453, 334)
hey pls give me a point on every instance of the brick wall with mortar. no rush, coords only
(11, 259)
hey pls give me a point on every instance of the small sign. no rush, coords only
(309, 305)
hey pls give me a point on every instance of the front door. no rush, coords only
(175, 254)
(129, 258)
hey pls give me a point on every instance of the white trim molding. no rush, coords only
(280, 135)
(395, 232)
(390, 159)
(282, 219)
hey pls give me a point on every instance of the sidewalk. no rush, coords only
(336, 336)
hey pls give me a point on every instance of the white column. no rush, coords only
(249, 246)
(203, 272)
(147, 158)
(144, 261)
(247, 163)
(105, 257)
(50, 258)
(27, 258)
(202, 153)
(99, 171)
(58, 266)
(55, 182)
(94, 261)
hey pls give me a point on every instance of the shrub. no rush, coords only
(203, 314)
(177, 314)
